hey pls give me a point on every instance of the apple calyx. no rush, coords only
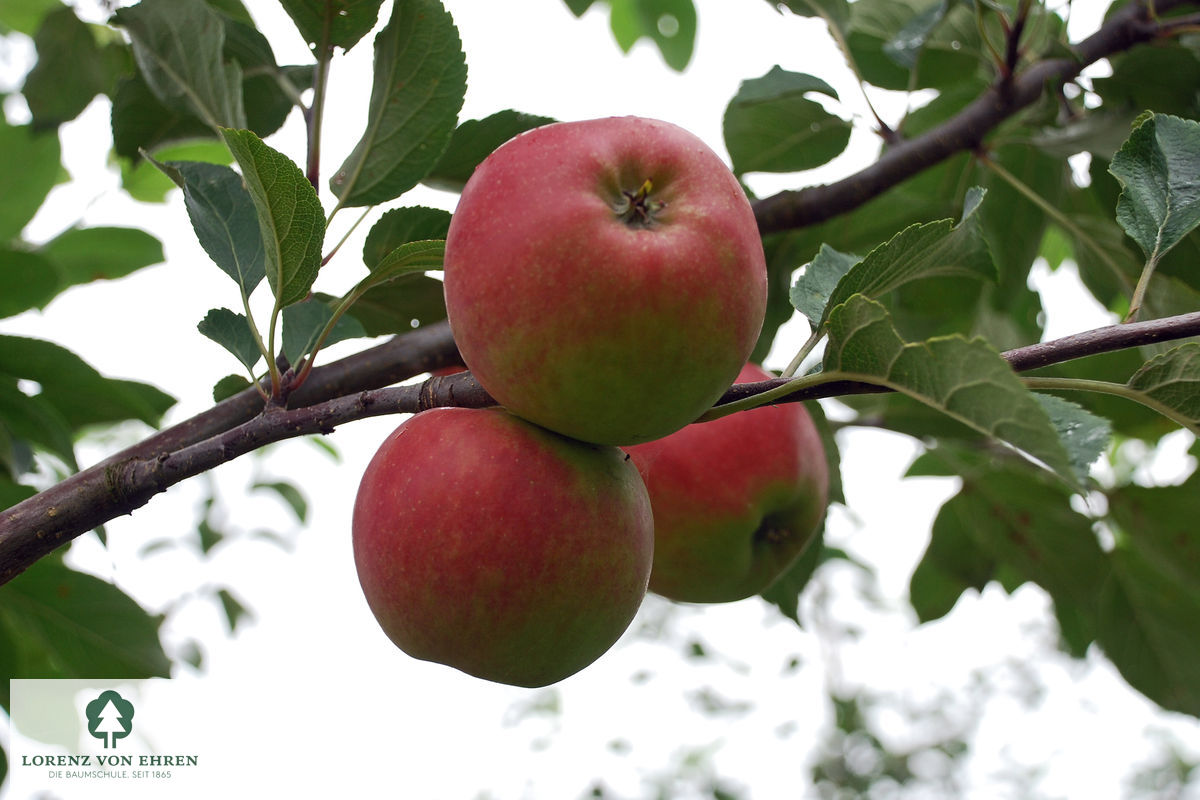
(636, 209)
(772, 531)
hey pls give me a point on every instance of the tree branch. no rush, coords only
(397, 359)
(1022, 359)
(964, 132)
(127, 481)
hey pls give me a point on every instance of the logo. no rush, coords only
(109, 717)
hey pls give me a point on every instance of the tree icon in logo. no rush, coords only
(110, 717)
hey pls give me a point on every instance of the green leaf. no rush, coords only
(233, 9)
(323, 444)
(1011, 522)
(578, 7)
(670, 24)
(77, 391)
(88, 627)
(1148, 624)
(419, 84)
(140, 122)
(965, 379)
(347, 20)
(82, 255)
(905, 46)
(1129, 419)
(408, 259)
(25, 16)
(232, 331)
(209, 535)
(1084, 435)
(779, 83)
(1163, 77)
(31, 168)
(16, 458)
(474, 140)
(411, 258)
(835, 11)
(36, 421)
(398, 306)
(290, 217)
(13, 493)
(1008, 210)
(225, 219)
(400, 226)
(266, 103)
(397, 296)
(771, 126)
(179, 48)
(290, 494)
(1100, 131)
(815, 285)
(947, 53)
(1148, 632)
(235, 612)
(303, 323)
(1159, 170)
(954, 562)
(785, 253)
(69, 72)
(784, 593)
(833, 454)
(27, 280)
(145, 181)
(229, 386)
(938, 248)
(1170, 382)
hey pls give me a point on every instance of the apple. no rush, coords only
(736, 500)
(499, 548)
(605, 278)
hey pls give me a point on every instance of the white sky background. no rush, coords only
(314, 691)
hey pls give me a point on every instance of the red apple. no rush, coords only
(499, 548)
(605, 279)
(735, 500)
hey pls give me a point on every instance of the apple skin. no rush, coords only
(736, 500)
(501, 549)
(604, 329)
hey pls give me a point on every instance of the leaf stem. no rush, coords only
(763, 398)
(835, 31)
(1117, 389)
(343, 306)
(805, 349)
(262, 347)
(414, 261)
(346, 236)
(1139, 292)
(289, 89)
(987, 40)
(272, 367)
(315, 113)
